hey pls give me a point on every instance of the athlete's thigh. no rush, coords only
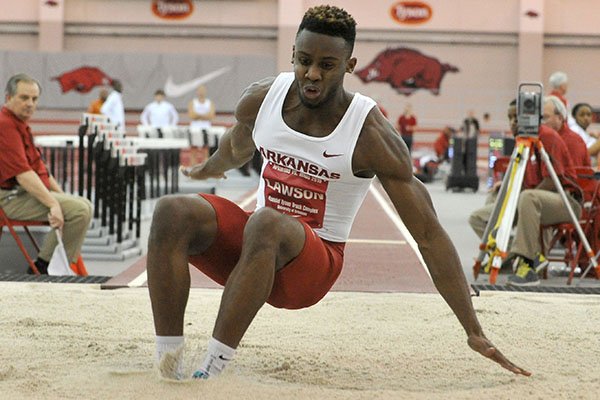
(220, 257)
(268, 228)
(187, 222)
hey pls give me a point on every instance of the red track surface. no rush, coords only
(378, 259)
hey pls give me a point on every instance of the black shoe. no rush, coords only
(41, 265)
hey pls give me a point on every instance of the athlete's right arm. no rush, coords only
(236, 146)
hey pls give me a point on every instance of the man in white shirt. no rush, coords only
(160, 112)
(113, 106)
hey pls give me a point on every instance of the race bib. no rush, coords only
(295, 193)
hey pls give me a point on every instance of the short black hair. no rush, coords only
(578, 106)
(331, 21)
(159, 92)
(117, 85)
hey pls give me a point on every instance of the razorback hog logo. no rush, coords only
(82, 79)
(406, 70)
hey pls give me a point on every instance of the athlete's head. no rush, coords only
(323, 53)
(330, 21)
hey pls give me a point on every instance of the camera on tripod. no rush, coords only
(529, 108)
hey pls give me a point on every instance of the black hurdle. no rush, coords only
(81, 155)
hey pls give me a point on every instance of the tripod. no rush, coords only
(497, 232)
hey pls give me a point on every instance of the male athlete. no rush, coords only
(322, 146)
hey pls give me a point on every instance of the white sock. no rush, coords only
(169, 356)
(217, 357)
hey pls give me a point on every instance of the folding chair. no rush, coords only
(574, 254)
(11, 224)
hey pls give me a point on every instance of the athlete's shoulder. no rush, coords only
(379, 149)
(251, 99)
(377, 125)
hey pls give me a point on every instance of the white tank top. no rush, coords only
(310, 177)
(201, 108)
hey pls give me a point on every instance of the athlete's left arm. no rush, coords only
(381, 151)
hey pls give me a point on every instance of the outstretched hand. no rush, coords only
(486, 348)
(199, 171)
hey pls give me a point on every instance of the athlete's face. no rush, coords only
(24, 101)
(320, 62)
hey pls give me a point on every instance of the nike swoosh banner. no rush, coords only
(72, 80)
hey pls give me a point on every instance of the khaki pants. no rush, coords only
(539, 207)
(77, 212)
(536, 207)
(479, 218)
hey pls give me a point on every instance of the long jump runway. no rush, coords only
(379, 255)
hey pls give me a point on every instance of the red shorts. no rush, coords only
(301, 283)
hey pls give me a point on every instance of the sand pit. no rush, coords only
(79, 342)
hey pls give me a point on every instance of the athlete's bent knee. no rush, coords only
(265, 221)
(170, 213)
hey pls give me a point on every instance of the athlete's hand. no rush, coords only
(199, 171)
(483, 346)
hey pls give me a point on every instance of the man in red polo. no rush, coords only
(27, 190)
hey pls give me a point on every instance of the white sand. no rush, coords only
(79, 342)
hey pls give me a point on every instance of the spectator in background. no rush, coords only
(160, 112)
(582, 115)
(406, 125)
(201, 110)
(27, 190)
(442, 144)
(113, 106)
(470, 125)
(555, 116)
(96, 105)
(559, 84)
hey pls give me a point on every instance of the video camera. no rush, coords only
(529, 108)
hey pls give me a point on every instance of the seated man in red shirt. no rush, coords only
(27, 190)
(539, 203)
